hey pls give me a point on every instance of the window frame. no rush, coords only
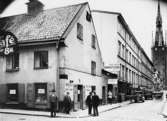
(93, 38)
(80, 31)
(39, 96)
(93, 67)
(14, 60)
(40, 61)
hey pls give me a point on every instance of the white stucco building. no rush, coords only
(55, 49)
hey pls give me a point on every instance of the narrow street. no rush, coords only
(147, 111)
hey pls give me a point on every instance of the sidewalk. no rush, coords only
(77, 114)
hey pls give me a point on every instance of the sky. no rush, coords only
(140, 15)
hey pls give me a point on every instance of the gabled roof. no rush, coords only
(48, 24)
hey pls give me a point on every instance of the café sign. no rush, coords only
(8, 43)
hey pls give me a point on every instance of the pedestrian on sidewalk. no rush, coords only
(53, 103)
(89, 103)
(67, 103)
(95, 103)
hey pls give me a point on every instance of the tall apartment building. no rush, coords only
(122, 53)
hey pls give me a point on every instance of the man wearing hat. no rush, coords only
(53, 103)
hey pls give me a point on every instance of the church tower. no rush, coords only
(159, 49)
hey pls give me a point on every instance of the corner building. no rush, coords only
(56, 49)
(122, 54)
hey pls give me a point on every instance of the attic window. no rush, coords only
(93, 41)
(79, 31)
(88, 16)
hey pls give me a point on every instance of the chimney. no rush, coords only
(34, 7)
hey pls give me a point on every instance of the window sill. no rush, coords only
(12, 70)
(40, 68)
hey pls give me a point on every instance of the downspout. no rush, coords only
(58, 80)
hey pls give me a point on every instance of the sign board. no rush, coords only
(112, 81)
(41, 91)
(113, 68)
(8, 43)
(12, 92)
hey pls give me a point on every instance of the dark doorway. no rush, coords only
(80, 96)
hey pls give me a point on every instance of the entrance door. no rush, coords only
(12, 92)
(93, 88)
(80, 96)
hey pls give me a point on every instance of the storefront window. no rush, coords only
(41, 93)
(12, 92)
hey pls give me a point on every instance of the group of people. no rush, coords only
(92, 101)
(54, 103)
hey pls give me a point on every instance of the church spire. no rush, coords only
(159, 41)
(159, 18)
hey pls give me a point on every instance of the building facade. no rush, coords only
(53, 49)
(159, 50)
(122, 54)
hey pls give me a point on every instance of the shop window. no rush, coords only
(41, 93)
(93, 68)
(12, 62)
(93, 41)
(41, 60)
(12, 92)
(79, 31)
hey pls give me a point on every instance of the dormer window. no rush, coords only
(88, 16)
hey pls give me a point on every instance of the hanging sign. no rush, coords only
(8, 43)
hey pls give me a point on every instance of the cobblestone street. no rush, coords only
(147, 111)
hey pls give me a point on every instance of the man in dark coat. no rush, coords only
(67, 103)
(53, 103)
(95, 103)
(89, 103)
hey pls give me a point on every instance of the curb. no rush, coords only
(62, 116)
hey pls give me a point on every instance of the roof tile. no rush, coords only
(47, 24)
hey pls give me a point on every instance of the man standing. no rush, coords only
(95, 103)
(89, 103)
(53, 103)
(67, 103)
